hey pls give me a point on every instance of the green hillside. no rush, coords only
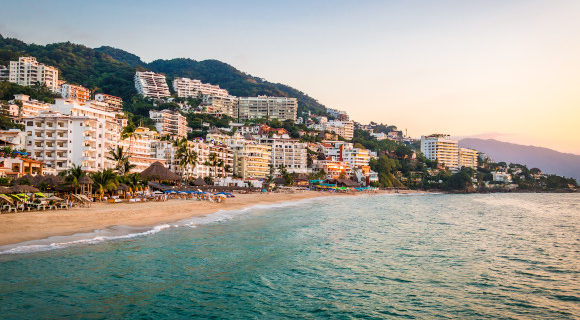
(111, 70)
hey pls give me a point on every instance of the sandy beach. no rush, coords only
(25, 226)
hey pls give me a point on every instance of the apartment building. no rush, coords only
(72, 133)
(185, 87)
(14, 138)
(281, 108)
(30, 107)
(140, 148)
(333, 168)
(168, 122)
(344, 129)
(151, 84)
(468, 158)
(112, 101)
(27, 72)
(75, 92)
(250, 158)
(290, 153)
(441, 148)
(220, 105)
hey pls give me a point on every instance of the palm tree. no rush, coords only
(129, 132)
(120, 157)
(187, 157)
(105, 181)
(214, 162)
(133, 181)
(73, 176)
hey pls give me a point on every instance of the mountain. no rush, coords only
(111, 70)
(550, 161)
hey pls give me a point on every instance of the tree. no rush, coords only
(73, 175)
(121, 159)
(104, 181)
(214, 162)
(186, 156)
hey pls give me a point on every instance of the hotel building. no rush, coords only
(441, 148)
(27, 71)
(151, 84)
(185, 87)
(4, 73)
(251, 159)
(140, 148)
(289, 153)
(75, 92)
(72, 133)
(281, 108)
(468, 158)
(169, 122)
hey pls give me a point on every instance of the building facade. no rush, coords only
(75, 92)
(221, 105)
(112, 101)
(27, 72)
(169, 122)
(280, 108)
(442, 149)
(152, 85)
(72, 133)
(185, 87)
(468, 158)
(250, 158)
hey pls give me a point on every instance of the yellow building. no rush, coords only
(468, 158)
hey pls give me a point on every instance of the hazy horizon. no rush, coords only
(510, 69)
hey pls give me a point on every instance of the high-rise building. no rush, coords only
(140, 148)
(221, 105)
(73, 133)
(75, 92)
(280, 108)
(168, 122)
(441, 148)
(286, 152)
(30, 108)
(27, 72)
(468, 158)
(185, 87)
(251, 159)
(151, 84)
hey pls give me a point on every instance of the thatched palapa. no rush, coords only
(157, 171)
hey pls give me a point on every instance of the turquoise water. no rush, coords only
(500, 256)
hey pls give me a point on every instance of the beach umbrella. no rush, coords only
(6, 198)
(24, 189)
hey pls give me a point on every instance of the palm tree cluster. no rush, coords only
(186, 156)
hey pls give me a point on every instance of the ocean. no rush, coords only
(433, 256)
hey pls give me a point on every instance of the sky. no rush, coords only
(508, 70)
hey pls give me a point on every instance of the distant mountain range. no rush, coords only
(111, 70)
(548, 160)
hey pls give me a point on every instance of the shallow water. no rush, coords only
(499, 256)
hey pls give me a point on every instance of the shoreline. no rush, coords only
(22, 227)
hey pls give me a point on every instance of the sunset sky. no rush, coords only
(504, 69)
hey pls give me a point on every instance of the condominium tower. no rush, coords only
(185, 87)
(27, 72)
(280, 108)
(151, 84)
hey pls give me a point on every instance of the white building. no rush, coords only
(75, 92)
(169, 122)
(344, 129)
(73, 133)
(281, 108)
(4, 73)
(287, 152)
(441, 148)
(14, 137)
(185, 87)
(27, 71)
(140, 147)
(151, 84)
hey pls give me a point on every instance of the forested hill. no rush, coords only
(111, 70)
